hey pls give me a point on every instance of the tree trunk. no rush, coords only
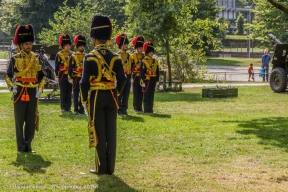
(278, 6)
(169, 69)
(168, 63)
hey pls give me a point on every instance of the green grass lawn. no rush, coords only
(219, 61)
(191, 144)
(237, 37)
(2, 54)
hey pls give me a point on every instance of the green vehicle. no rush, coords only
(278, 76)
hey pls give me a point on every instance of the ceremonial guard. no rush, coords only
(102, 80)
(25, 78)
(75, 71)
(61, 72)
(149, 74)
(123, 42)
(137, 58)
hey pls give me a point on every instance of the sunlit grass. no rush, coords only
(190, 144)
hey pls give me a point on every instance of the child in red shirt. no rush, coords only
(251, 72)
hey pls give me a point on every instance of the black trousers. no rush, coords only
(137, 94)
(24, 114)
(65, 91)
(124, 96)
(76, 96)
(105, 124)
(149, 91)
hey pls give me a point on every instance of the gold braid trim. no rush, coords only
(8, 81)
(99, 67)
(61, 55)
(93, 140)
(42, 83)
(20, 73)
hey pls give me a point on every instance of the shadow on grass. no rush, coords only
(32, 163)
(272, 131)
(131, 118)
(158, 115)
(112, 183)
(70, 115)
(184, 96)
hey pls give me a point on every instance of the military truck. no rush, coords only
(278, 76)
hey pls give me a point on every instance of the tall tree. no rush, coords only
(269, 19)
(69, 19)
(114, 9)
(278, 6)
(170, 25)
(72, 20)
(35, 12)
(240, 24)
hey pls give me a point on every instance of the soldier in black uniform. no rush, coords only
(25, 78)
(102, 80)
(149, 74)
(61, 72)
(123, 42)
(137, 58)
(75, 71)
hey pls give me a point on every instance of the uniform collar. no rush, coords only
(101, 46)
(65, 51)
(24, 54)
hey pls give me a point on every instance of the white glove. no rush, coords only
(131, 81)
(38, 94)
(56, 79)
(85, 108)
(70, 81)
(157, 83)
(143, 85)
(13, 89)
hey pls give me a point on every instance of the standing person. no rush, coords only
(61, 72)
(266, 59)
(102, 80)
(149, 76)
(12, 48)
(123, 42)
(251, 72)
(26, 80)
(137, 58)
(75, 71)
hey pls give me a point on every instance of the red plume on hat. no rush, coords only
(16, 36)
(118, 39)
(148, 47)
(134, 41)
(76, 39)
(138, 41)
(145, 45)
(60, 40)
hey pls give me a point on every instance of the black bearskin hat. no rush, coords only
(64, 40)
(79, 40)
(24, 33)
(148, 47)
(121, 40)
(101, 27)
(138, 41)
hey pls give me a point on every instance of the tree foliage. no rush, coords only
(35, 12)
(172, 27)
(278, 6)
(240, 24)
(269, 19)
(73, 21)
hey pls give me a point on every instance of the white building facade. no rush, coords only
(229, 9)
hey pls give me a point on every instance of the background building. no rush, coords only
(229, 9)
